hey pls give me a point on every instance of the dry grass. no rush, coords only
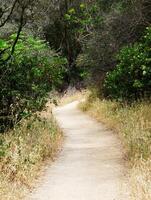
(73, 95)
(23, 152)
(140, 180)
(133, 123)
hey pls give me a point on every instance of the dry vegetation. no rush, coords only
(133, 123)
(72, 95)
(23, 152)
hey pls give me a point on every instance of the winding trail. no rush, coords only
(91, 165)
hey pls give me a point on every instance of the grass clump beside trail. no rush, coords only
(22, 153)
(133, 123)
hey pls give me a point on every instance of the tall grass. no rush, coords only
(22, 153)
(133, 124)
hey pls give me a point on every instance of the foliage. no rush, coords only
(131, 78)
(66, 31)
(120, 23)
(32, 72)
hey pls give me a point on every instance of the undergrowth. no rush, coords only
(22, 153)
(133, 123)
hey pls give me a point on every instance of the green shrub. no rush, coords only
(25, 80)
(131, 78)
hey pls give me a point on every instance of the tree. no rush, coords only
(29, 69)
(121, 23)
(63, 31)
(8, 10)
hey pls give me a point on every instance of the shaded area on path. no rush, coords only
(91, 165)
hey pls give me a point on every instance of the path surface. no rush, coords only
(90, 166)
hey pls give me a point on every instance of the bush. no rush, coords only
(131, 78)
(26, 78)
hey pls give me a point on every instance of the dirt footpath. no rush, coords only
(91, 165)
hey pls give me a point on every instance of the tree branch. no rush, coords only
(18, 34)
(11, 12)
